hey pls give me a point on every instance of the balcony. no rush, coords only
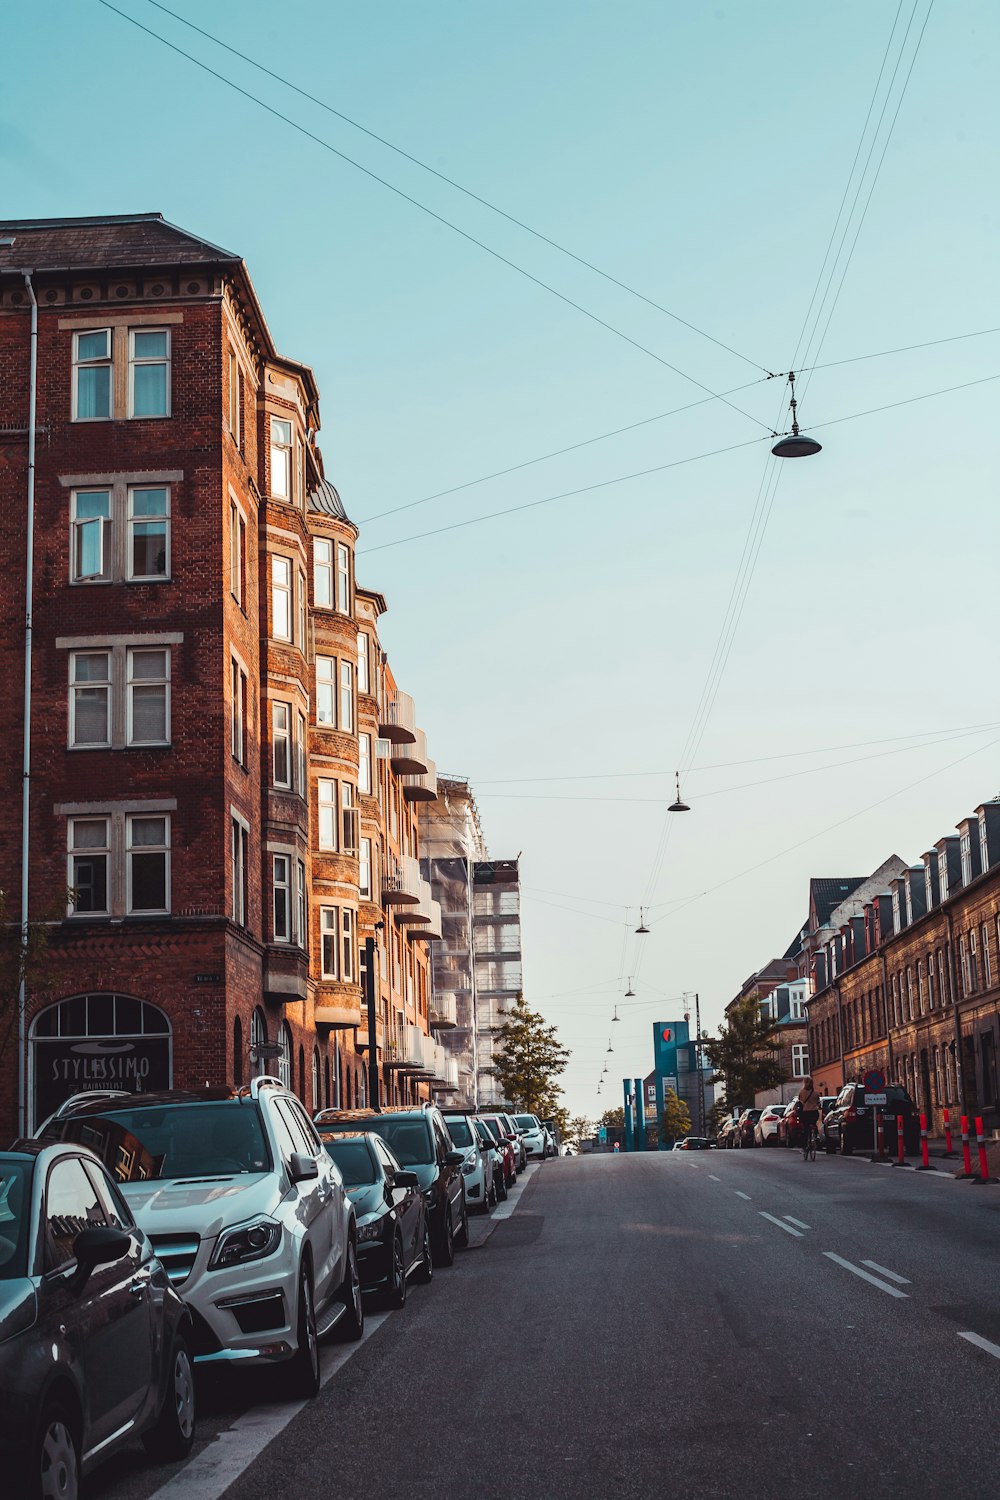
(410, 759)
(406, 1053)
(422, 787)
(420, 915)
(338, 1010)
(397, 720)
(443, 1012)
(401, 882)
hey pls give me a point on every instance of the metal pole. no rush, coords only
(22, 987)
(374, 1102)
(698, 1065)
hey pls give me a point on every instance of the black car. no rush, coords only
(394, 1237)
(495, 1151)
(94, 1341)
(743, 1134)
(849, 1126)
(419, 1139)
(695, 1143)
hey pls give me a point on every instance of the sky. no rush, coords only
(699, 154)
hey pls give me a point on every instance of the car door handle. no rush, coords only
(138, 1287)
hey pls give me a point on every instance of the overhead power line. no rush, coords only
(458, 186)
(424, 208)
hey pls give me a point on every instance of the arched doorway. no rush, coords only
(97, 1041)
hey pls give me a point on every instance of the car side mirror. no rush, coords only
(405, 1179)
(454, 1158)
(99, 1246)
(302, 1168)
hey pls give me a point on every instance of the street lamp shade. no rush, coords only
(796, 444)
(678, 805)
(616, 1016)
(630, 992)
(642, 928)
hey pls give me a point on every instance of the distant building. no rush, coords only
(678, 1065)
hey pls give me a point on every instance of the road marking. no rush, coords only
(712, 1177)
(873, 1265)
(981, 1343)
(743, 1195)
(883, 1286)
(233, 1450)
(780, 1223)
(797, 1222)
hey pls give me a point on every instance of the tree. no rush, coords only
(529, 1058)
(578, 1129)
(716, 1115)
(557, 1113)
(676, 1119)
(613, 1119)
(743, 1055)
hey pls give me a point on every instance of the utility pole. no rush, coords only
(698, 1065)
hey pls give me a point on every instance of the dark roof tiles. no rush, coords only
(115, 242)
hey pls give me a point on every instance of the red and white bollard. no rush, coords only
(900, 1143)
(925, 1155)
(984, 1169)
(966, 1152)
(948, 1149)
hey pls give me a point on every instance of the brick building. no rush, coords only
(213, 830)
(910, 982)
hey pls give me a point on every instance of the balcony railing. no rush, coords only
(443, 1012)
(422, 787)
(410, 759)
(397, 721)
(406, 1052)
(401, 882)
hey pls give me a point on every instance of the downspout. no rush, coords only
(22, 988)
(959, 1060)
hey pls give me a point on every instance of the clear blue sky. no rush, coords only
(698, 152)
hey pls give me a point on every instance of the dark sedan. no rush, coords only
(849, 1126)
(695, 1143)
(94, 1341)
(394, 1237)
(744, 1133)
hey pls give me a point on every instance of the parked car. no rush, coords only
(504, 1131)
(766, 1129)
(532, 1133)
(743, 1134)
(95, 1344)
(477, 1168)
(695, 1143)
(245, 1209)
(726, 1131)
(418, 1138)
(495, 1155)
(394, 1237)
(791, 1131)
(510, 1125)
(849, 1126)
(555, 1138)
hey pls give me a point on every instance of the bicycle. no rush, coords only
(809, 1145)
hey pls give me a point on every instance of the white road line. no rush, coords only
(883, 1286)
(883, 1271)
(712, 1177)
(981, 1343)
(780, 1223)
(233, 1450)
(797, 1222)
(743, 1195)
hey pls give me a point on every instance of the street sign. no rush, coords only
(874, 1082)
(602, 1134)
(874, 1098)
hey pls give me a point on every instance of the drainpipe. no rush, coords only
(959, 1060)
(885, 1013)
(22, 988)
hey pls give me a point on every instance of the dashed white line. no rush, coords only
(873, 1265)
(883, 1286)
(981, 1343)
(780, 1223)
(745, 1196)
(797, 1222)
(713, 1178)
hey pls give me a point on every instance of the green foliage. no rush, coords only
(529, 1058)
(34, 963)
(613, 1119)
(579, 1128)
(719, 1112)
(676, 1120)
(744, 1054)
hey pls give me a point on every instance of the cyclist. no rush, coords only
(809, 1099)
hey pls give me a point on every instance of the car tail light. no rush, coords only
(851, 1114)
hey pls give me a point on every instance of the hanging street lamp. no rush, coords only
(678, 805)
(642, 928)
(795, 444)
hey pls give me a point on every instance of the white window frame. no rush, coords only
(800, 1057)
(237, 550)
(349, 822)
(235, 414)
(75, 687)
(345, 702)
(326, 691)
(329, 941)
(365, 869)
(239, 854)
(281, 736)
(282, 931)
(364, 663)
(301, 603)
(343, 579)
(301, 905)
(284, 461)
(365, 764)
(240, 695)
(131, 682)
(105, 530)
(130, 849)
(130, 522)
(301, 772)
(322, 572)
(85, 851)
(148, 359)
(284, 588)
(349, 943)
(327, 815)
(90, 364)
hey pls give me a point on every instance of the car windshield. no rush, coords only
(460, 1131)
(526, 1122)
(15, 1195)
(219, 1138)
(493, 1126)
(353, 1158)
(409, 1139)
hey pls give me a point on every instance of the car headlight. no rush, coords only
(251, 1241)
(430, 1196)
(369, 1231)
(469, 1165)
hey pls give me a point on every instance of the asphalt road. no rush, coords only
(720, 1324)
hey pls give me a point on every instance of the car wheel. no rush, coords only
(501, 1188)
(828, 1146)
(462, 1236)
(397, 1289)
(444, 1254)
(173, 1433)
(845, 1149)
(55, 1471)
(426, 1272)
(303, 1373)
(352, 1326)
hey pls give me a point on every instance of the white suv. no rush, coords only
(532, 1133)
(246, 1210)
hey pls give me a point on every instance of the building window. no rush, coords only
(285, 1059)
(148, 705)
(365, 870)
(930, 981)
(301, 913)
(148, 859)
(237, 553)
(973, 962)
(325, 679)
(943, 874)
(365, 763)
(349, 818)
(800, 1060)
(343, 579)
(239, 719)
(326, 792)
(346, 697)
(300, 754)
(984, 953)
(316, 1101)
(322, 573)
(328, 924)
(148, 532)
(237, 1052)
(280, 744)
(89, 857)
(282, 899)
(281, 598)
(281, 459)
(90, 699)
(364, 677)
(91, 533)
(92, 376)
(240, 871)
(235, 405)
(149, 372)
(348, 929)
(300, 613)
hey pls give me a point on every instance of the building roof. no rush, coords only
(326, 500)
(104, 242)
(826, 894)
